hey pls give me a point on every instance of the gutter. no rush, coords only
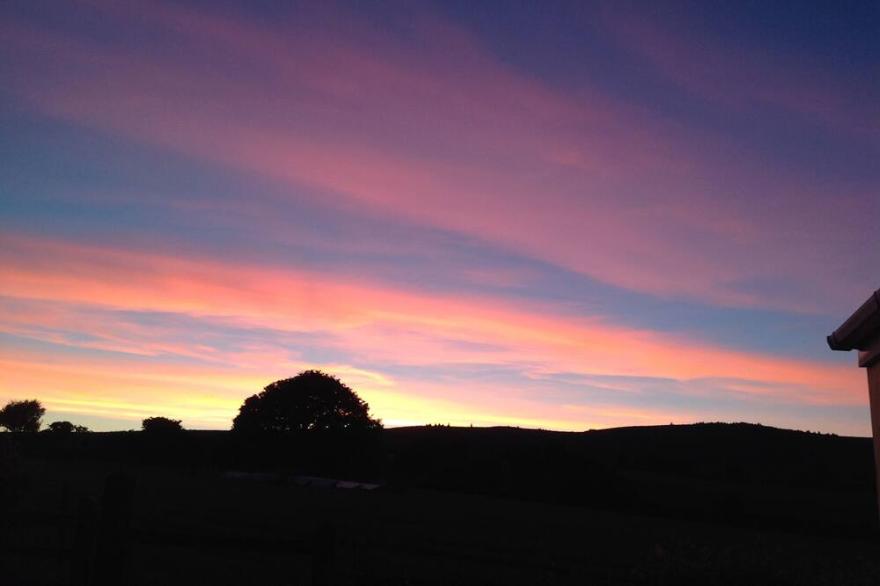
(860, 329)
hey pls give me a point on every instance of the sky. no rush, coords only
(561, 215)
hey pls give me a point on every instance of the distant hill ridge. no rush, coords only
(729, 452)
(699, 426)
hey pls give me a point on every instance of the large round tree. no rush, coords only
(310, 401)
(22, 415)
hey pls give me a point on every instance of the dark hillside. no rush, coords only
(724, 504)
(739, 474)
(739, 452)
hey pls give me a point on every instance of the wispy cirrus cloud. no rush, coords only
(736, 74)
(420, 213)
(221, 328)
(443, 134)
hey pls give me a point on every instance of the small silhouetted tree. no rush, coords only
(310, 401)
(66, 427)
(22, 415)
(161, 425)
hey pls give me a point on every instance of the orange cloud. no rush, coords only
(208, 397)
(371, 323)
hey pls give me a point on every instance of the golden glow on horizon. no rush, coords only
(374, 324)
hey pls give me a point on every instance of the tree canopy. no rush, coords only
(22, 415)
(66, 427)
(161, 424)
(310, 401)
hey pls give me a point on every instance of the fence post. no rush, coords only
(113, 547)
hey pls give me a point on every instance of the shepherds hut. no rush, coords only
(861, 331)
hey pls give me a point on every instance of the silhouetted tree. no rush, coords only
(66, 427)
(310, 401)
(161, 425)
(22, 415)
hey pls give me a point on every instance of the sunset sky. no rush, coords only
(566, 215)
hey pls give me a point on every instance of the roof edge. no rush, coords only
(860, 328)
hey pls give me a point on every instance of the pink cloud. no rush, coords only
(369, 322)
(446, 137)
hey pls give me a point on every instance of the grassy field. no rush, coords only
(244, 532)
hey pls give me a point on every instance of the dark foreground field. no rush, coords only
(683, 505)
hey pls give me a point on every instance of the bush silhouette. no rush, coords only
(310, 401)
(161, 425)
(22, 415)
(66, 427)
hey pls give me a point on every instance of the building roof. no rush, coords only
(860, 329)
